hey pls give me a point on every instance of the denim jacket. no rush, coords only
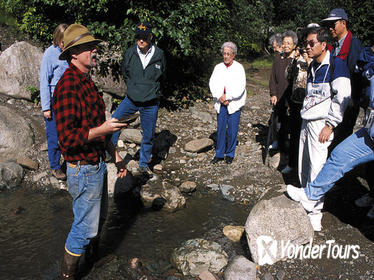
(51, 71)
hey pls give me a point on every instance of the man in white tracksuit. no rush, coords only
(328, 94)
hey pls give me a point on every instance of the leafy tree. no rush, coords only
(190, 32)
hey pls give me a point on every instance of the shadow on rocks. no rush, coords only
(340, 201)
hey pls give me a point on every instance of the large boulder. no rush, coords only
(273, 226)
(16, 135)
(198, 255)
(19, 69)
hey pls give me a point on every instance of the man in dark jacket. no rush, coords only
(347, 48)
(143, 67)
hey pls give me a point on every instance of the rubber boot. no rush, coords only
(69, 267)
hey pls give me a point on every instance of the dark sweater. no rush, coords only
(143, 84)
(278, 82)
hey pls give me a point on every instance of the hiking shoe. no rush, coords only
(316, 219)
(145, 170)
(216, 160)
(287, 170)
(298, 195)
(58, 174)
(370, 214)
(365, 201)
(229, 160)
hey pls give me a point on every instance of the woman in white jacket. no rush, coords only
(227, 85)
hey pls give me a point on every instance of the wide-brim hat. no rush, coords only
(336, 14)
(74, 35)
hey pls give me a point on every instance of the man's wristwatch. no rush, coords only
(329, 125)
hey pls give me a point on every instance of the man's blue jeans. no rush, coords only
(87, 185)
(54, 152)
(354, 150)
(227, 125)
(148, 118)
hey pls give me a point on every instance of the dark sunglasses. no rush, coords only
(141, 37)
(331, 24)
(311, 43)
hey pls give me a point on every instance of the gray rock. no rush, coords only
(148, 193)
(187, 187)
(174, 199)
(274, 223)
(214, 187)
(27, 162)
(16, 136)
(240, 268)
(274, 161)
(198, 255)
(205, 117)
(131, 135)
(225, 189)
(198, 145)
(39, 176)
(157, 168)
(268, 276)
(207, 275)
(280, 274)
(11, 175)
(19, 69)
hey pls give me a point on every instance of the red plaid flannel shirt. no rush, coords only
(78, 107)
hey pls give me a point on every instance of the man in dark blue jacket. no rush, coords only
(143, 67)
(348, 48)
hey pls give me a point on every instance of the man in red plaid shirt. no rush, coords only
(84, 135)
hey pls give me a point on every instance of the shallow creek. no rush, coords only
(33, 228)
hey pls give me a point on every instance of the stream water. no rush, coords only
(33, 228)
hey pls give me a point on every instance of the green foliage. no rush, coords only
(190, 32)
(34, 93)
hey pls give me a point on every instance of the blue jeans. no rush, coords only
(227, 124)
(148, 118)
(354, 150)
(87, 185)
(54, 152)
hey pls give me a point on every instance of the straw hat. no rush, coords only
(75, 35)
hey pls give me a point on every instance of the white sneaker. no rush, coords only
(274, 145)
(286, 170)
(365, 201)
(298, 195)
(315, 220)
(370, 214)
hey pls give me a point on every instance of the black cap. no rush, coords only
(143, 29)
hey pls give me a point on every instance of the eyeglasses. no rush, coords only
(311, 43)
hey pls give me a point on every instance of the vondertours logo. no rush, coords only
(271, 250)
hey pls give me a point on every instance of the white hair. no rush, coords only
(230, 45)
